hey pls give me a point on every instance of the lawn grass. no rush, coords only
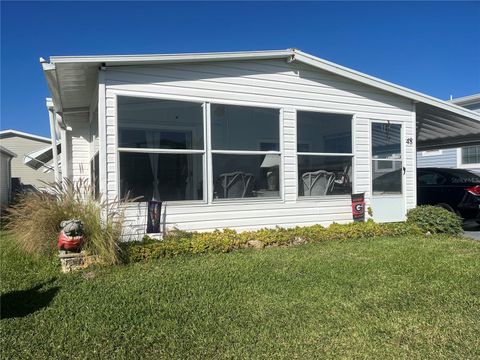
(410, 298)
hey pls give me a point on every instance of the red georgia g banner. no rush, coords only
(358, 207)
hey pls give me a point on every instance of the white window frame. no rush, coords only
(461, 165)
(402, 159)
(207, 151)
(301, 153)
(211, 152)
(166, 151)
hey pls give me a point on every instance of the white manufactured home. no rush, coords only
(244, 140)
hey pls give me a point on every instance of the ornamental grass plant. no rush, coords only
(34, 220)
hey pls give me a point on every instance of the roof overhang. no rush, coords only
(152, 59)
(40, 158)
(72, 80)
(7, 132)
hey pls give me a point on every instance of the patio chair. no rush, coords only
(317, 183)
(343, 178)
(235, 185)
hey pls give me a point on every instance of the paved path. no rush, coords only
(472, 230)
(473, 235)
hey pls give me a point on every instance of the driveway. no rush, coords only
(472, 230)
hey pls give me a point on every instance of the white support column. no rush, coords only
(53, 136)
(414, 136)
(64, 149)
(102, 134)
(289, 151)
(208, 153)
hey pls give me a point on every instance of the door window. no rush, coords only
(387, 163)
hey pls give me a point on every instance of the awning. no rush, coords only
(439, 128)
(41, 158)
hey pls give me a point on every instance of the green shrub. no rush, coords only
(35, 220)
(177, 234)
(180, 242)
(435, 219)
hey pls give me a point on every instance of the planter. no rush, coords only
(75, 261)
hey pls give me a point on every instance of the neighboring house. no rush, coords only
(464, 157)
(23, 144)
(244, 140)
(6, 157)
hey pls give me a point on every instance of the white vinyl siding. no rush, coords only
(77, 145)
(448, 159)
(272, 83)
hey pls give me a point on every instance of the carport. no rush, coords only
(438, 127)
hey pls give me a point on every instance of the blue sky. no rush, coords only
(430, 47)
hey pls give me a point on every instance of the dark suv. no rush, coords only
(456, 190)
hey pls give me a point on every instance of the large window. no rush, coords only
(324, 148)
(162, 150)
(245, 152)
(471, 155)
(161, 145)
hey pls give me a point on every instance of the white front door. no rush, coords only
(388, 172)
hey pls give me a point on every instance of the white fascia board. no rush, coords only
(24, 134)
(169, 58)
(52, 81)
(382, 84)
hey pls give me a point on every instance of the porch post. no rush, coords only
(102, 134)
(64, 147)
(53, 137)
(414, 130)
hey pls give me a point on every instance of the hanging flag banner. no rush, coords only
(153, 216)
(358, 207)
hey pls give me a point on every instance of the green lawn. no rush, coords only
(383, 298)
